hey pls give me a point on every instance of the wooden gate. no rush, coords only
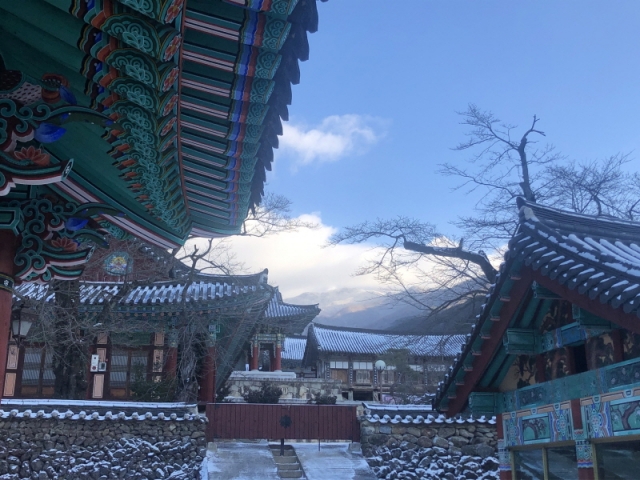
(294, 422)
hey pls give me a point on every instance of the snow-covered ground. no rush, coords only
(333, 461)
(254, 461)
(241, 461)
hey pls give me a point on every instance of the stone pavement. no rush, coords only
(253, 461)
(334, 461)
(241, 461)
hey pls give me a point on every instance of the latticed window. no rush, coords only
(37, 378)
(363, 376)
(387, 376)
(126, 366)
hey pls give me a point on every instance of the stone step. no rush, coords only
(291, 474)
(285, 459)
(289, 466)
(287, 453)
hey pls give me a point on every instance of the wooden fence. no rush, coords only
(294, 422)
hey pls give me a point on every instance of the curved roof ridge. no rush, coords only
(564, 220)
(379, 332)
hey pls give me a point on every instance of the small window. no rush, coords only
(339, 365)
(363, 376)
(363, 365)
(37, 378)
(416, 368)
(387, 376)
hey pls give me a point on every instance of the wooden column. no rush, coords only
(255, 355)
(7, 255)
(277, 363)
(503, 454)
(172, 362)
(584, 450)
(208, 386)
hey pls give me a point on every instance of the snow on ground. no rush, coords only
(242, 461)
(333, 461)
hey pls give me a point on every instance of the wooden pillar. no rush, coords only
(172, 362)
(255, 355)
(208, 385)
(7, 255)
(503, 454)
(584, 450)
(278, 358)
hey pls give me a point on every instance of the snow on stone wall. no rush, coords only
(92, 446)
(430, 448)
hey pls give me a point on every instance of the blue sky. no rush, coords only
(374, 113)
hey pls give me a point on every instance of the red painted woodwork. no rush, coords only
(491, 345)
(586, 474)
(255, 355)
(272, 422)
(7, 254)
(278, 359)
(603, 310)
(506, 475)
(172, 362)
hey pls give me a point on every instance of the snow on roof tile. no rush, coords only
(294, 348)
(95, 293)
(592, 253)
(344, 340)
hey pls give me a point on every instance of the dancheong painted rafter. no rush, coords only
(154, 118)
(191, 97)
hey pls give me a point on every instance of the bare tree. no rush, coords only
(67, 334)
(432, 271)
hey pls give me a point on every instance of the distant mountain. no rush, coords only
(359, 308)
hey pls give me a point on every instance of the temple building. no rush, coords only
(280, 321)
(120, 118)
(349, 355)
(555, 353)
(140, 327)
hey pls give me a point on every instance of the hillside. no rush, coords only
(357, 308)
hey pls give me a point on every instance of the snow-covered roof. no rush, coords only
(349, 340)
(294, 348)
(98, 410)
(599, 257)
(158, 294)
(429, 419)
(293, 317)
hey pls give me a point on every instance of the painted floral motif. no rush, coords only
(65, 244)
(173, 47)
(169, 105)
(33, 155)
(173, 11)
(167, 128)
(170, 79)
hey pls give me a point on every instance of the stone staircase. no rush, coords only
(288, 464)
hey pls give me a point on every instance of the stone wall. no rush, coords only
(430, 448)
(100, 445)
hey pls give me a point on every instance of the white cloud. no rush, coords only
(299, 263)
(335, 137)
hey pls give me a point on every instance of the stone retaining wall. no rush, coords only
(94, 446)
(430, 448)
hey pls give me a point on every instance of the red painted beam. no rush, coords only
(603, 310)
(491, 345)
(7, 255)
